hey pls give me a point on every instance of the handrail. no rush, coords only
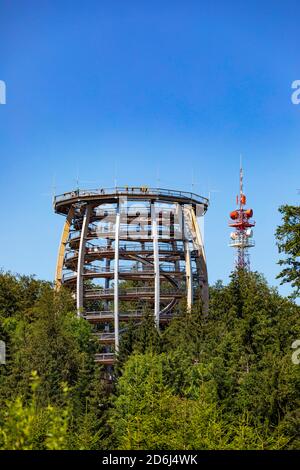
(104, 270)
(102, 249)
(127, 191)
(127, 230)
(104, 356)
(135, 228)
(125, 269)
(107, 312)
(104, 335)
(130, 313)
(67, 276)
(137, 290)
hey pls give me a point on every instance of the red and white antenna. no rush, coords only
(241, 237)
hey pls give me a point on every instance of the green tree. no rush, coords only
(47, 336)
(148, 415)
(288, 241)
(54, 342)
(217, 380)
(26, 426)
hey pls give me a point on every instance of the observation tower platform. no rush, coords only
(128, 250)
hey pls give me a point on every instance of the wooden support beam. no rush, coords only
(62, 248)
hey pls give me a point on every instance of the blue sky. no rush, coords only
(144, 91)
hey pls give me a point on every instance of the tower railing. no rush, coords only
(127, 191)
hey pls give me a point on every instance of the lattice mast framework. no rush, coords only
(241, 237)
(126, 249)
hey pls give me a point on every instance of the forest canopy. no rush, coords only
(222, 379)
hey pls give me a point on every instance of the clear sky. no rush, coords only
(166, 93)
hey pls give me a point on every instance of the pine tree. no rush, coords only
(288, 241)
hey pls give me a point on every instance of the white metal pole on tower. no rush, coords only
(80, 265)
(116, 279)
(156, 265)
(188, 264)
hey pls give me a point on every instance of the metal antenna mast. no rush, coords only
(241, 237)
